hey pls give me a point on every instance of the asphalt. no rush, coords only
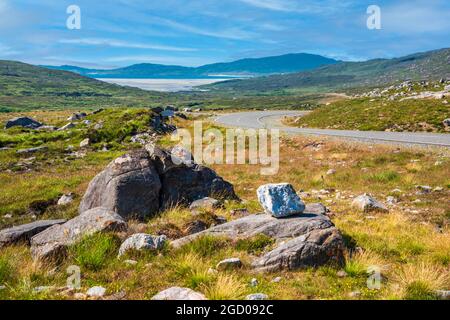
(272, 120)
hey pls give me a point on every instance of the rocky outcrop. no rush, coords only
(24, 122)
(280, 200)
(129, 186)
(23, 233)
(141, 183)
(306, 240)
(177, 293)
(52, 243)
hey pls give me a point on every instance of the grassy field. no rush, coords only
(411, 243)
(379, 115)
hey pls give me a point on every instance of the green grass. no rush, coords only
(379, 115)
(93, 252)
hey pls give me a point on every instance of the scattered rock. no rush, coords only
(366, 203)
(438, 189)
(85, 143)
(208, 204)
(142, 138)
(331, 172)
(80, 296)
(24, 122)
(341, 274)
(254, 282)
(77, 116)
(47, 128)
(195, 227)
(177, 293)
(306, 240)
(142, 241)
(316, 208)
(96, 292)
(443, 294)
(32, 150)
(354, 294)
(257, 296)
(25, 232)
(2, 288)
(423, 190)
(52, 243)
(277, 280)
(67, 127)
(280, 200)
(391, 200)
(229, 264)
(66, 199)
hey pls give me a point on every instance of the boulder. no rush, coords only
(313, 249)
(280, 200)
(307, 240)
(141, 183)
(24, 122)
(229, 264)
(366, 203)
(177, 293)
(142, 241)
(207, 203)
(129, 186)
(52, 243)
(25, 232)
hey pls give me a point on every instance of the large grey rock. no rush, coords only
(142, 241)
(302, 241)
(177, 293)
(25, 232)
(313, 249)
(366, 203)
(24, 122)
(52, 243)
(280, 200)
(129, 186)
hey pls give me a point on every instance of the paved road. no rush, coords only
(272, 119)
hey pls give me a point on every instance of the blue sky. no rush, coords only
(196, 32)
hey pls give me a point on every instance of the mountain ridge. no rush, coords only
(287, 63)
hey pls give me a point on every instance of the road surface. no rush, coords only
(272, 119)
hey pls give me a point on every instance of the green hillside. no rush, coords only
(26, 87)
(348, 75)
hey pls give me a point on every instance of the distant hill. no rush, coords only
(431, 65)
(24, 86)
(246, 67)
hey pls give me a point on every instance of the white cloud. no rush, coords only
(7, 51)
(122, 44)
(299, 6)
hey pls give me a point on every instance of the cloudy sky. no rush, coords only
(196, 32)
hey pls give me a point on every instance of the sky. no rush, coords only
(198, 32)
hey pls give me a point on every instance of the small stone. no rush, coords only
(85, 143)
(2, 288)
(177, 293)
(96, 292)
(66, 199)
(277, 280)
(131, 262)
(80, 296)
(443, 294)
(228, 264)
(354, 294)
(254, 282)
(423, 189)
(366, 203)
(257, 296)
(212, 271)
(42, 289)
(391, 200)
(67, 127)
(8, 216)
(342, 274)
(142, 241)
(438, 189)
(331, 172)
(280, 200)
(207, 204)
